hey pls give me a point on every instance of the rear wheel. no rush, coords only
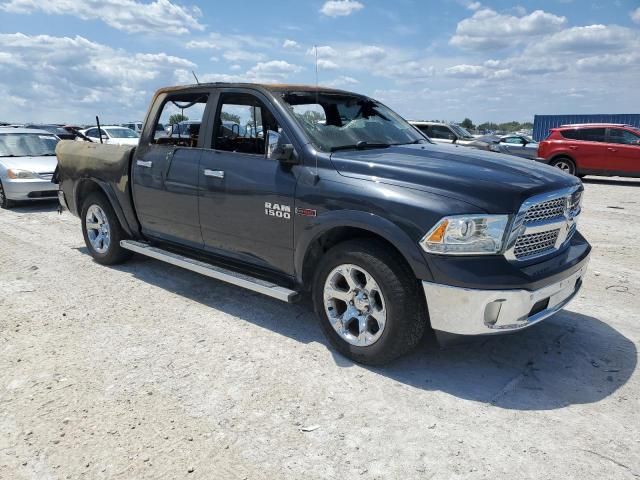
(369, 302)
(102, 231)
(565, 164)
(4, 201)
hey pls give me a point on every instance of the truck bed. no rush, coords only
(84, 165)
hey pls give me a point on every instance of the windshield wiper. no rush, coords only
(46, 155)
(361, 145)
(10, 155)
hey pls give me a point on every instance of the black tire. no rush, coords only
(406, 317)
(565, 164)
(113, 253)
(4, 201)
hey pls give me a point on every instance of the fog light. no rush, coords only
(492, 312)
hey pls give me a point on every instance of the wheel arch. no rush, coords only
(345, 225)
(86, 186)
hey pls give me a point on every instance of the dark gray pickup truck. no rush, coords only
(291, 189)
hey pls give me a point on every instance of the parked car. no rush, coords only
(444, 132)
(112, 134)
(58, 130)
(27, 163)
(389, 232)
(593, 149)
(518, 145)
(137, 127)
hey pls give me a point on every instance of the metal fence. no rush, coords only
(543, 123)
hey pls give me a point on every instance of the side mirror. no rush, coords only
(279, 148)
(452, 137)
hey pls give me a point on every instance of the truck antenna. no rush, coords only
(194, 76)
(99, 130)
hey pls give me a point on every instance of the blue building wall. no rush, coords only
(543, 123)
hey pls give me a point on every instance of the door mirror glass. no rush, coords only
(279, 148)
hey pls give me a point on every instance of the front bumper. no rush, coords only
(29, 189)
(466, 311)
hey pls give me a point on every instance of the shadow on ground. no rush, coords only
(36, 207)
(622, 181)
(571, 358)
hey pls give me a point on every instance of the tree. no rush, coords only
(468, 124)
(230, 117)
(177, 118)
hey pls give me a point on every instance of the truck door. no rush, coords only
(166, 173)
(246, 199)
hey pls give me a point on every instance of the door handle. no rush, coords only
(213, 173)
(142, 163)
(612, 149)
(573, 147)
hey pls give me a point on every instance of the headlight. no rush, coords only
(466, 235)
(21, 174)
(494, 148)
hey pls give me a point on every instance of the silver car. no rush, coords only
(518, 145)
(27, 163)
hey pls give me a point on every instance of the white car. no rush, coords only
(112, 135)
(27, 163)
(444, 132)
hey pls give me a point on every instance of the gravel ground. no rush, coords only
(149, 371)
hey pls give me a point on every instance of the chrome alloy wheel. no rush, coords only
(98, 230)
(354, 305)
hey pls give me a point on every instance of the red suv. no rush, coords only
(593, 149)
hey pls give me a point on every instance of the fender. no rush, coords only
(365, 221)
(131, 228)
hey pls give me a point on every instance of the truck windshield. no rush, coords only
(27, 145)
(336, 121)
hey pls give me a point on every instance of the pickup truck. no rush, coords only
(292, 191)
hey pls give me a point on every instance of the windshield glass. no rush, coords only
(27, 144)
(335, 121)
(461, 131)
(121, 133)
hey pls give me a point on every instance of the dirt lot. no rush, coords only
(149, 371)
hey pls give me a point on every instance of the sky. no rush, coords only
(65, 61)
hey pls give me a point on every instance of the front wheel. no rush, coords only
(102, 231)
(564, 164)
(368, 302)
(4, 201)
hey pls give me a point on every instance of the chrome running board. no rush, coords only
(245, 281)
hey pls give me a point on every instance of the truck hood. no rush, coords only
(493, 182)
(46, 164)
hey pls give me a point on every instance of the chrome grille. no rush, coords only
(535, 243)
(546, 210)
(544, 224)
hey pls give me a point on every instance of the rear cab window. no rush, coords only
(181, 116)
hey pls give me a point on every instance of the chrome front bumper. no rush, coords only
(465, 311)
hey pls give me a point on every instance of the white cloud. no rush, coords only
(290, 44)
(635, 15)
(103, 80)
(243, 56)
(160, 16)
(341, 81)
(474, 6)
(486, 29)
(278, 68)
(591, 39)
(327, 64)
(340, 8)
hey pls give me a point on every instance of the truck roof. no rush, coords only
(272, 87)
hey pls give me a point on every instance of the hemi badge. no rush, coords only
(306, 212)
